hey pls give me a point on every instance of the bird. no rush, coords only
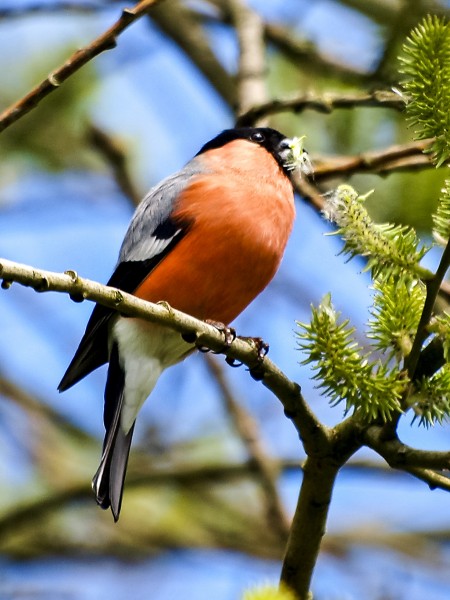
(206, 240)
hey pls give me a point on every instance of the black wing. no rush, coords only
(152, 234)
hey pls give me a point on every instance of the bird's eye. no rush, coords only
(257, 137)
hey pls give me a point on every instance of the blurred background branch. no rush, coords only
(71, 170)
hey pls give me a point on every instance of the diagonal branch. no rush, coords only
(306, 56)
(106, 41)
(401, 456)
(433, 287)
(303, 54)
(313, 433)
(38, 409)
(431, 478)
(115, 157)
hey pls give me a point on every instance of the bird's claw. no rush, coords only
(262, 348)
(233, 362)
(229, 336)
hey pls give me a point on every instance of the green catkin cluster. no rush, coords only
(389, 249)
(374, 383)
(426, 63)
(441, 218)
(440, 326)
(431, 402)
(397, 306)
(343, 371)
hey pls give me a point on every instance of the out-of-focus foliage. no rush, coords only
(53, 137)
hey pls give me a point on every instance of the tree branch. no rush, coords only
(303, 54)
(431, 478)
(433, 287)
(308, 526)
(324, 103)
(13, 12)
(184, 27)
(251, 75)
(401, 456)
(393, 158)
(310, 518)
(313, 433)
(38, 409)
(106, 41)
(379, 161)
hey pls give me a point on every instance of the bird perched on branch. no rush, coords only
(207, 240)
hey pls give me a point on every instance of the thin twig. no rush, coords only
(13, 12)
(116, 159)
(248, 432)
(433, 287)
(56, 78)
(306, 56)
(37, 408)
(308, 191)
(385, 11)
(381, 11)
(324, 103)
(303, 54)
(394, 158)
(431, 478)
(378, 161)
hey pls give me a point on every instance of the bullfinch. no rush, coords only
(207, 240)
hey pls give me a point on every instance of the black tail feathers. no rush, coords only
(109, 479)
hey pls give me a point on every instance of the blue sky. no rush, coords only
(154, 99)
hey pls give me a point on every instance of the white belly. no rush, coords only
(145, 350)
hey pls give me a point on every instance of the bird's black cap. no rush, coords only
(269, 138)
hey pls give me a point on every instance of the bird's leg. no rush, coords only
(228, 332)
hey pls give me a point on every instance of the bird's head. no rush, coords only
(290, 153)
